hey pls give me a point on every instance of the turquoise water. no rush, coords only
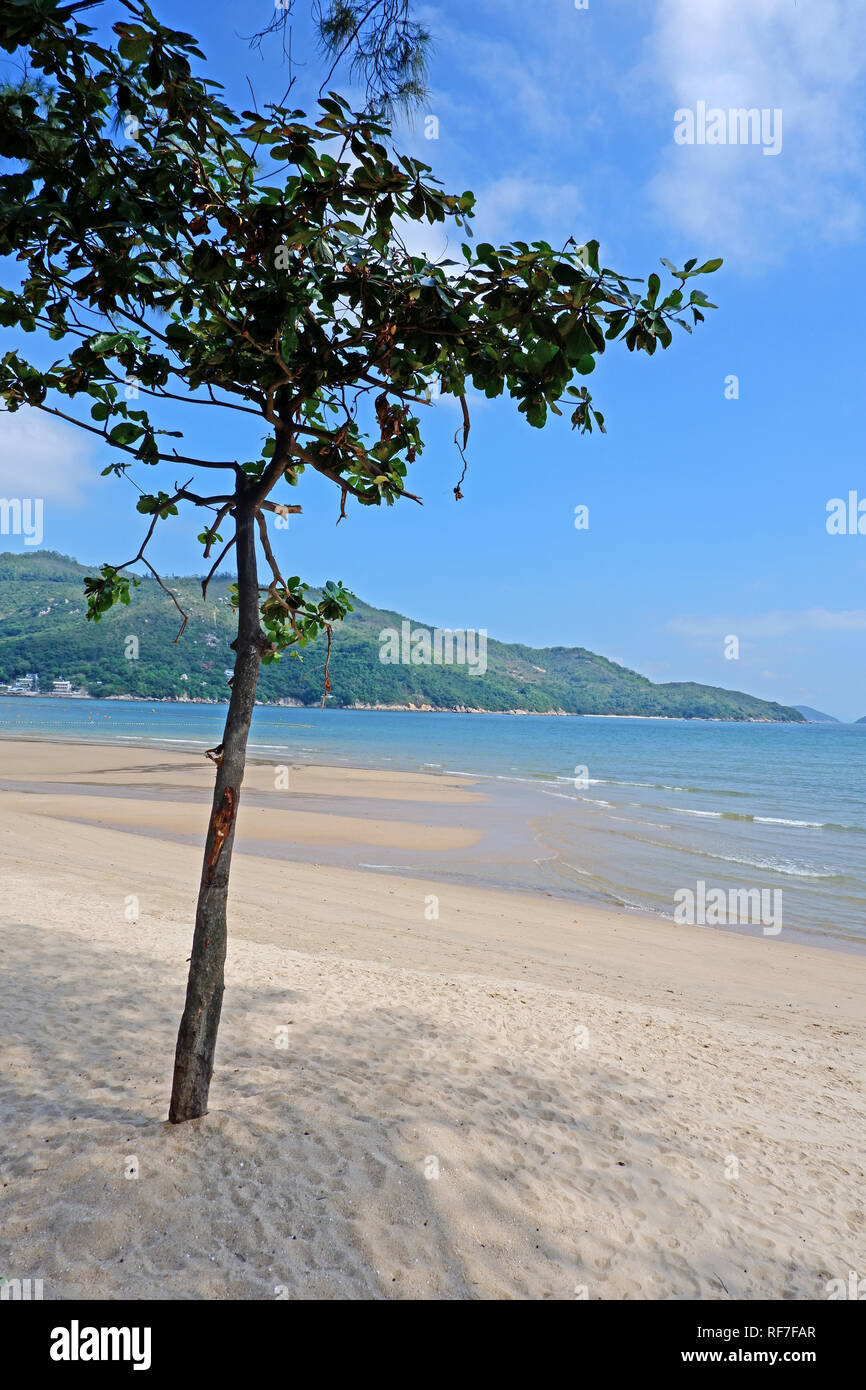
(662, 804)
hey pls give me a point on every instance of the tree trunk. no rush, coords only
(196, 1039)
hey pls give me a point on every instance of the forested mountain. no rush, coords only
(43, 629)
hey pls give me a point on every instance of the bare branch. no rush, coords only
(173, 457)
(216, 564)
(275, 571)
(172, 595)
(140, 558)
(212, 530)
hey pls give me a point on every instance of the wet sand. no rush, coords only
(422, 1089)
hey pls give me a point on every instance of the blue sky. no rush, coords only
(707, 514)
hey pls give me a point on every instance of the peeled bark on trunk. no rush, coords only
(196, 1040)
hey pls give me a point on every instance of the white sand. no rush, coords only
(561, 1167)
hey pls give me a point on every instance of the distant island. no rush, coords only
(814, 716)
(132, 654)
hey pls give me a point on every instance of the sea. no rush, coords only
(617, 811)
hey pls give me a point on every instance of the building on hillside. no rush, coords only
(25, 685)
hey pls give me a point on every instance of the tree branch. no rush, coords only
(215, 566)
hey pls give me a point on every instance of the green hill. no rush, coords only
(43, 629)
(816, 716)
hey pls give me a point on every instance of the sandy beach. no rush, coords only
(422, 1090)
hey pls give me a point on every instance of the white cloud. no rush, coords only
(437, 241)
(507, 208)
(768, 625)
(807, 60)
(519, 68)
(527, 208)
(41, 457)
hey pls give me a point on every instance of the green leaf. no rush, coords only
(135, 50)
(125, 433)
(105, 343)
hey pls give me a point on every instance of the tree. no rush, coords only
(171, 260)
(384, 47)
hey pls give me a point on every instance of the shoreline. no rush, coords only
(579, 1076)
(336, 830)
(400, 709)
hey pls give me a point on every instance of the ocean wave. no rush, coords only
(776, 866)
(563, 796)
(748, 818)
(779, 820)
(788, 867)
(646, 786)
(659, 786)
